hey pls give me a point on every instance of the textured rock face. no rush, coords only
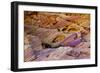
(56, 36)
(61, 53)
